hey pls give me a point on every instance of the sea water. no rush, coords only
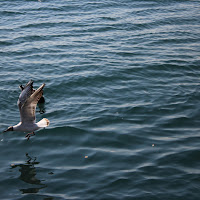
(122, 95)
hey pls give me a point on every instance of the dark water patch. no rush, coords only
(5, 43)
(11, 13)
(184, 158)
(44, 25)
(63, 130)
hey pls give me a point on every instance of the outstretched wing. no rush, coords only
(27, 109)
(25, 94)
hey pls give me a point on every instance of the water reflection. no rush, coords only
(28, 175)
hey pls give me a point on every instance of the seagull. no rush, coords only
(27, 103)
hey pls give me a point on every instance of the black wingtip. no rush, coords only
(21, 87)
(29, 83)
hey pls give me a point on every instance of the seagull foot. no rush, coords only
(29, 135)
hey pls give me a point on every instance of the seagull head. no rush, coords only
(9, 129)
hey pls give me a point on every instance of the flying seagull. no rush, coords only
(27, 103)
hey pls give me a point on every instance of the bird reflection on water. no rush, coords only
(28, 175)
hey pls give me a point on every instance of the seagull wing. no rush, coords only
(27, 110)
(25, 94)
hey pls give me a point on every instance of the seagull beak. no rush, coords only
(8, 129)
(5, 130)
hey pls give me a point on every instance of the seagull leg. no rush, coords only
(29, 135)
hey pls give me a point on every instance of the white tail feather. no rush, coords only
(43, 123)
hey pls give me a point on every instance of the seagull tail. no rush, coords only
(43, 123)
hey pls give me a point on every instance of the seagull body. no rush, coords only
(27, 103)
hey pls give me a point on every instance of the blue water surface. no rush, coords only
(122, 96)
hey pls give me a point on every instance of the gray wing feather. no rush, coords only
(27, 110)
(25, 94)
